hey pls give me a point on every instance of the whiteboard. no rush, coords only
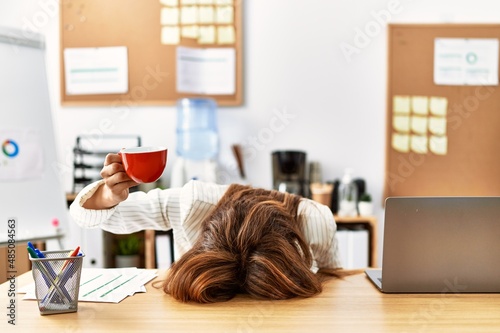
(34, 200)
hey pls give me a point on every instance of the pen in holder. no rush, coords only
(57, 281)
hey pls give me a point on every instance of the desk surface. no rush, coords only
(350, 305)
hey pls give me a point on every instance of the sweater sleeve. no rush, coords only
(197, 201)
(153, 210)
(320, 232)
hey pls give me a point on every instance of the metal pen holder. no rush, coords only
(57, 281)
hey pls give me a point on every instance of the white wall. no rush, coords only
(294, 65)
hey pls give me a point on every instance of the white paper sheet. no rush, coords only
(466, 61)
(206, 71)
(110, 285)
(96, 70)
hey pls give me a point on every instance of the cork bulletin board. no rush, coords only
(140, 25)
(441, 139)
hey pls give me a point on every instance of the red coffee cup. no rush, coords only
(144, 164)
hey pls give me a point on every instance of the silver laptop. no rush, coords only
(439, 245)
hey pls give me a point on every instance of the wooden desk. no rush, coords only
(350, 305)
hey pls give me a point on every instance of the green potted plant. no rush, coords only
(365, 205)
(127, 251)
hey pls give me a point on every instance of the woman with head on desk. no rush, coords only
(229, 239)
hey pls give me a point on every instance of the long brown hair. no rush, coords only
(251, 243)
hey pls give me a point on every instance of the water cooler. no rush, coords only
(197, 145)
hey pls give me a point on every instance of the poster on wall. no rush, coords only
(21, 156)
(466, 61)
(206, 71)
(96, 70)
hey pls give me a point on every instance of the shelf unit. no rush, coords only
(368, 223)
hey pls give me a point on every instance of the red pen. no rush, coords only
(72, 254)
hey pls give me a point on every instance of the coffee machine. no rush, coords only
(289, 172)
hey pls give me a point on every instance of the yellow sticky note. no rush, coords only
(401, 123)
(205, 2)
(438, 106)
(206, 14)
(189, 2)
(189, 14)
(224, 2)
(437, 125)
(438, 145)
(401, 104)
(225, 15)
(225, 35)
(401, 142)
(170, 35)
(169, 16)
(420, 105)
(418, 124)
(190, 31)
(171, 3)
(418, 144)
(207, 35)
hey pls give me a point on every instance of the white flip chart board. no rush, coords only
(30, 186)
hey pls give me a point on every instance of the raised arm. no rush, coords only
(116, 185)
(107, 203)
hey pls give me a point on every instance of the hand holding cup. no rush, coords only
(128, 168)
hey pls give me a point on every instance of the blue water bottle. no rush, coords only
(197, 135)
